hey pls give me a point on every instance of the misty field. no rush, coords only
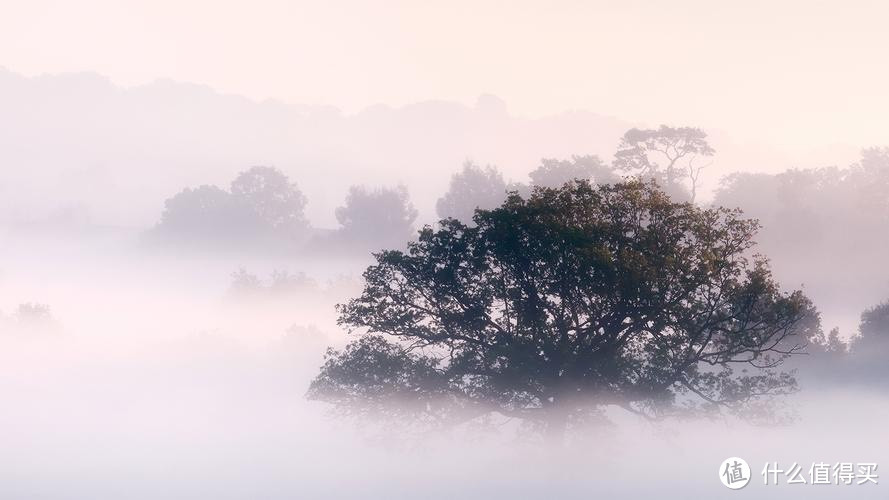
(155, 379)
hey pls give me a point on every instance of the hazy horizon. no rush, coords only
(797, 72)
(207, 135)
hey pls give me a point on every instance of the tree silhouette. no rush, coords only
(376, 217)
(263, 207)
(668, 155)
(271, 197)
(872, 176)
(874, 327)
(864, 361)
(473, 187)
(205, 212)
(552, 308)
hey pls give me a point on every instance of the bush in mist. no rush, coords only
(551, 308)
(32, 313)
(262, 206)
(471, 188)
(29, 317)
(280, 284)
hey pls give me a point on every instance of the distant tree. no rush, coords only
(830, 344)
(245, 283)
(520, 188)
(551, 308)
(875, 159)
(871, 176)
(787, 204)
(737, 190)
(376, 218)
(200, 213)
(471, 188)
(554, 173)
(672, 156)
(874, 326)
(268, 194)
(826, 353)
(868, 350)
(262, 207)
(834, 344)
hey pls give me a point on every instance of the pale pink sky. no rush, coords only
(802, 74)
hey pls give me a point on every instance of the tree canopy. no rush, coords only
(551, 308)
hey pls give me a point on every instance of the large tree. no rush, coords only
(553, 307)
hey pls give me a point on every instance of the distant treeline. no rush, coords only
(264, 209)
(808, 216)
